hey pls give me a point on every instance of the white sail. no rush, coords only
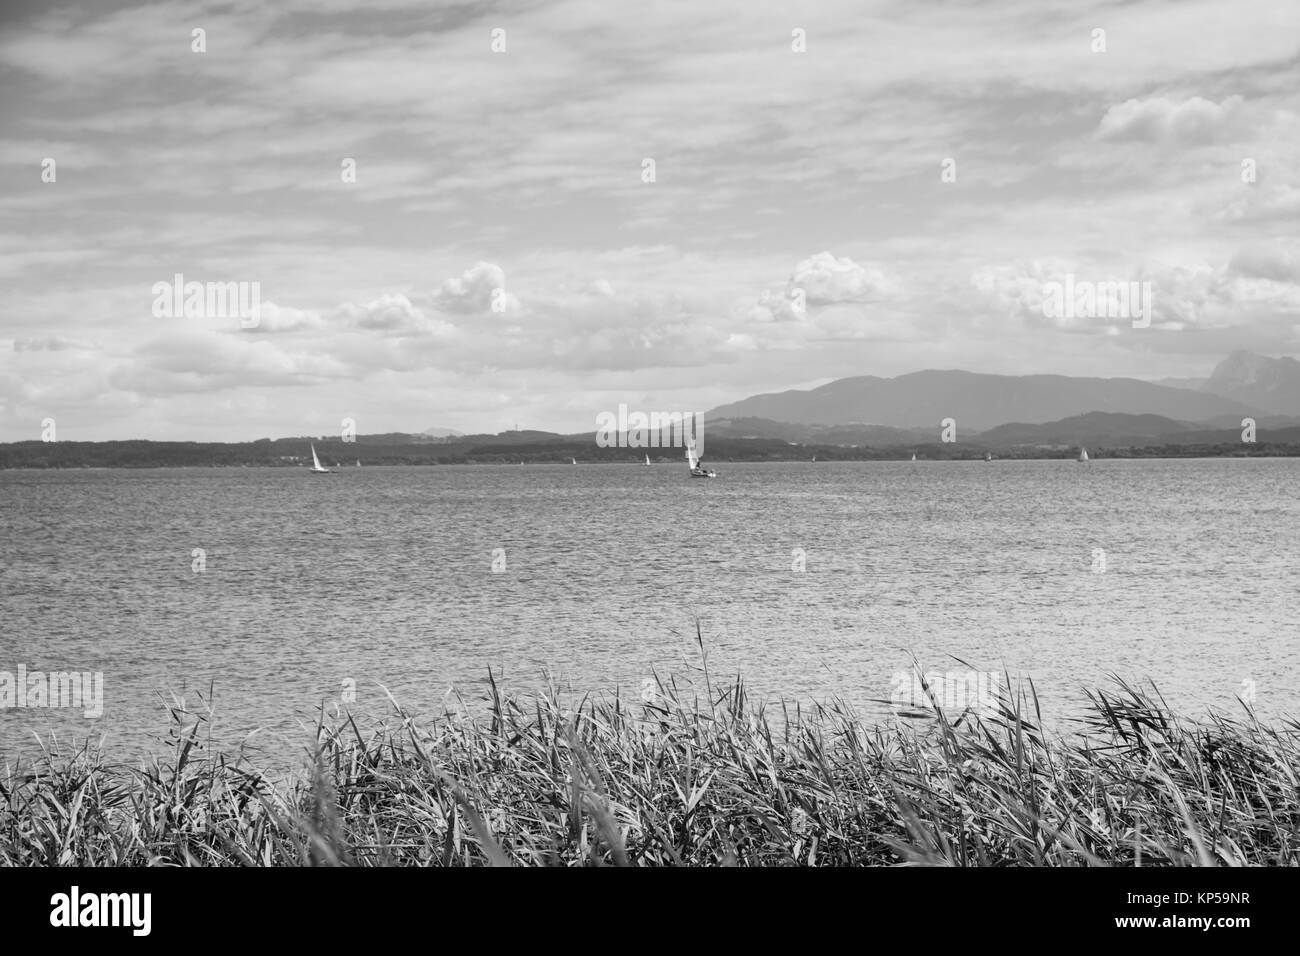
(691, 457)
(913, 456)
(647, 459)
(573, 460)
(315, 462)
(1083, 454)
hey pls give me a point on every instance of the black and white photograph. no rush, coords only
(842, 434)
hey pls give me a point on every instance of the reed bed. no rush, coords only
(701, 775)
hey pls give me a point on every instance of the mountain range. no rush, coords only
(997, 411)
(1272, 384)
(1243, 385)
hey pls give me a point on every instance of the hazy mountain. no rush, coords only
(882, 435)
(1113, 430)
(1094, 428)
(1272, 384)
(442, 432)
(977, 401)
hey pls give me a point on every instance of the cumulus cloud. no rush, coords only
(475, 292)
(776, 307)
(274, 318)
(823, 280)
(1158, 119)
(826, 279)
(392, 313)
(1256, 285)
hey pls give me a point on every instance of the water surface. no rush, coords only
(384, 576)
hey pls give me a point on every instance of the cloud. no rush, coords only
(820, 282)
(392, 313)
(274, 318)
(1161, 120)
(53, 343)
(1264, 202)
(476, 291)
(826, 279)
(1266, 262)
(1256, 287)
(193, 362)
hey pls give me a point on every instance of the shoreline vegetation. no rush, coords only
(698, 775)
(295, 453)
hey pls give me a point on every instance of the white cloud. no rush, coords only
(825, 279)
(477, 290)
(1159, 119)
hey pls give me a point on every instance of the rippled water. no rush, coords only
(384, 576)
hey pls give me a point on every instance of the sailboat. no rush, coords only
(913, 456)
(988, 456)
(358, 462)
(814, 457)
(647, 459)
(697, 468)
(316, 467)
(1083, 454)
(573, 461)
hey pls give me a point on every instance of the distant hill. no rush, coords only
(881, 435)
(1271, 384)
(977, 401)
(1113, 430)
(441, 432)
(523, 436)
(1094, 428)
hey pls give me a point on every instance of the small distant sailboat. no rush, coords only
(913, 456)
(358, 462)
(1083, 454)
(573, 461)
(697, 467)
(988, 456)
(316, 467)
(647, 459)
(814, 457)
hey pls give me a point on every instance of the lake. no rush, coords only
(812, 580)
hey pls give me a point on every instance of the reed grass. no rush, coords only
(698, 776)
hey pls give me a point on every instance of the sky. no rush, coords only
(560, 207)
